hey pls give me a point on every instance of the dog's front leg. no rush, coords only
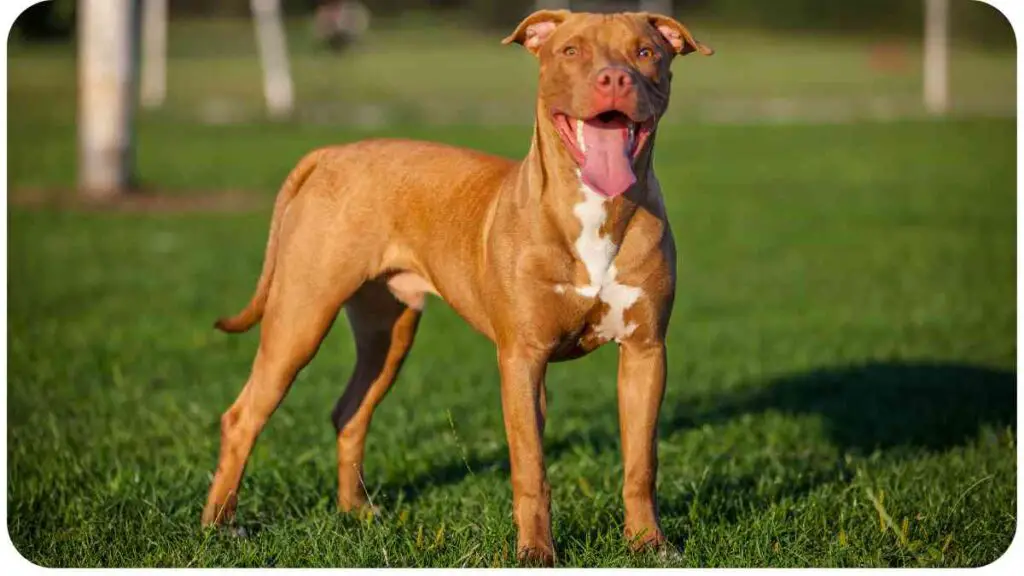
(641, 388)
(522, 375)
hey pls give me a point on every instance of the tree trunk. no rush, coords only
(154, 53)
(106, 58)
(936, 56)
(277, 80)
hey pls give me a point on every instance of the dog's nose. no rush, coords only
(613, 80)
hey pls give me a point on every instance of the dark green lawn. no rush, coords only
(841, 380)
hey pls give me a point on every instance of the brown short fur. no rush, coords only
(377, 225)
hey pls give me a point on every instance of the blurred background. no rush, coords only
(409, 63)
(840, 178)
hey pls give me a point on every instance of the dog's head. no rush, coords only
(605, 81)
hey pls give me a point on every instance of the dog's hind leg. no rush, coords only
(312, 281)
(383, 328)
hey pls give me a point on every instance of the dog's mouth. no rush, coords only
(605, 146)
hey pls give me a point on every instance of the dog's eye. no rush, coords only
(645, 52)
(570, 51)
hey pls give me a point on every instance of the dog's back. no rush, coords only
(383, 169)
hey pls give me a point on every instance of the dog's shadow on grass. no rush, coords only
(878, 406)
(873, 406)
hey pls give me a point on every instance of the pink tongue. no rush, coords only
(607, 167)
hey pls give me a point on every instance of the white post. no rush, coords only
(936, 56)
(663, 7)
(277, 80)
(154, 53)
(106, 55)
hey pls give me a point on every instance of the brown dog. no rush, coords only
(549, 258)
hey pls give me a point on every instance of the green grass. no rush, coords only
(841, 378)
(842, 355)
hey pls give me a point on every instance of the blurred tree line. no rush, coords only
(972, 20)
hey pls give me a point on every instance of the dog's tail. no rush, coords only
(253, 312)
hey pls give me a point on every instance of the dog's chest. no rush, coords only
(606, 298)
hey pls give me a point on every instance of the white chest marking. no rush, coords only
(619, 298)
(597, 253)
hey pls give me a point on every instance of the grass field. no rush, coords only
(842, 379)
(841, 385)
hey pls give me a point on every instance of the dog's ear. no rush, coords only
(677, 35)
(536, 28)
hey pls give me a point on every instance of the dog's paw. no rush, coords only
(368, 512)
(360, 510)
(668, 553)
(536, 556)
(655, 542)
(217, 514)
